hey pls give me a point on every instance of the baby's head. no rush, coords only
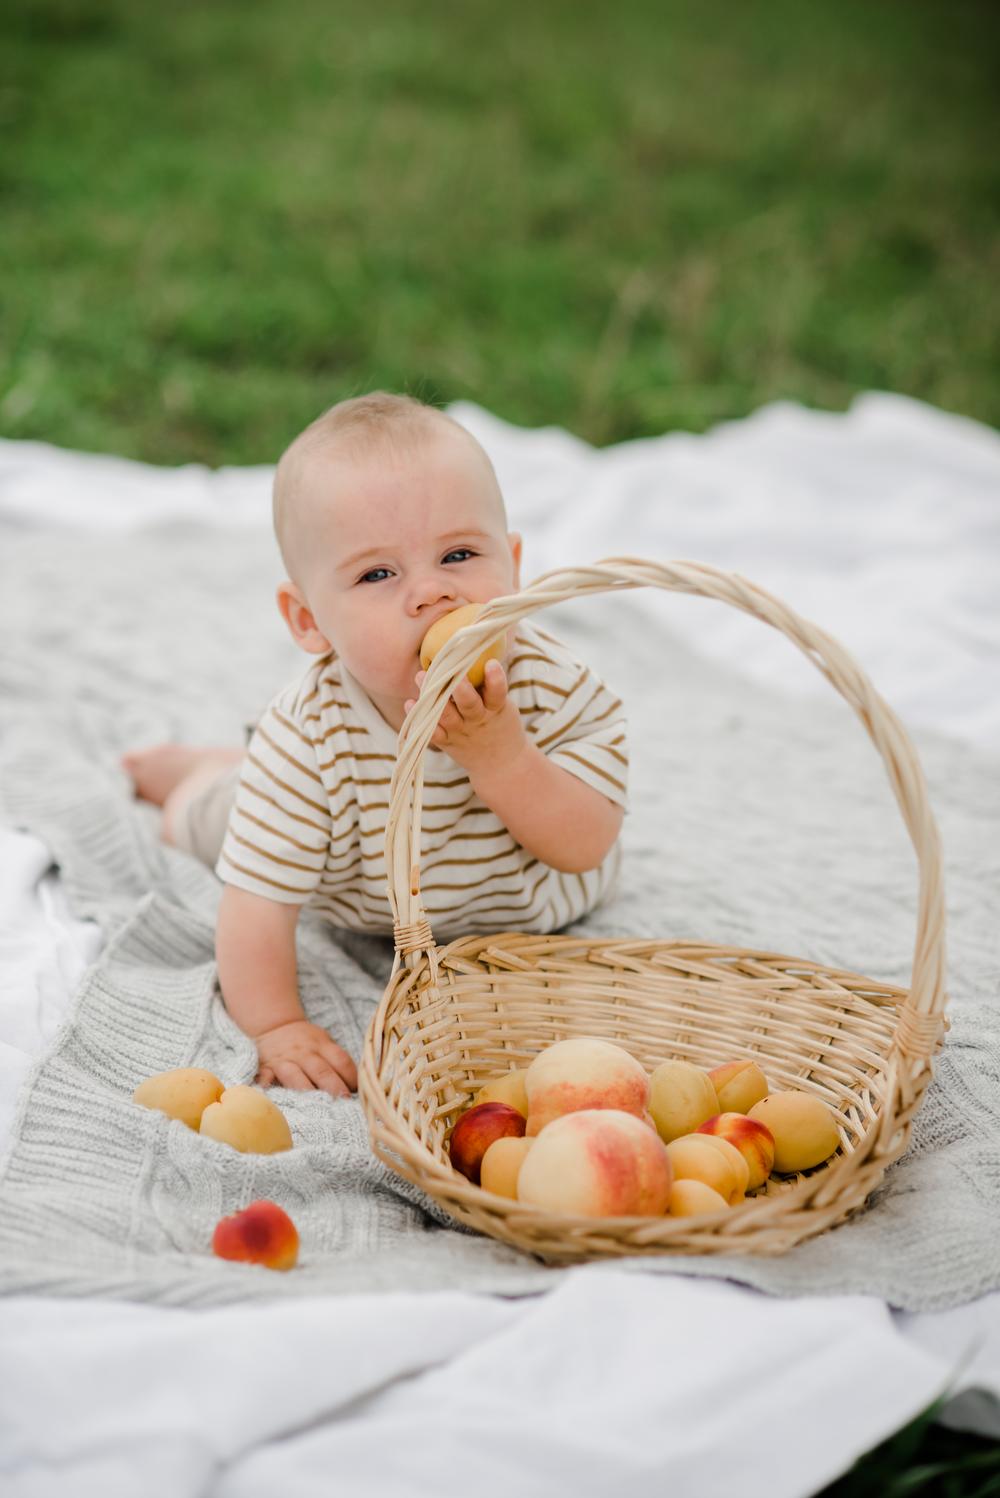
(388, 515)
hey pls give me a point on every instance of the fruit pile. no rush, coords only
(586, 1131)
(246, 1120)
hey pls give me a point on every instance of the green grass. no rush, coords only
(924, 1460)
(217, 219)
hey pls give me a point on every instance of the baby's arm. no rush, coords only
(258, 974)
(563, 822)
(551, 812)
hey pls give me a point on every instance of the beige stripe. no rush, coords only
(285, 863)
(291, 727)
(498, 909)
(487, 879)
(595, 769)
(337, 727)
(549, 686)
(285, 837)
(262, 878)
(316, 805)
(563, 730)
(263, 796)
(527, 655)
(302, 769)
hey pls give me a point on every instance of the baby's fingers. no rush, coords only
(265, 1077)
(494, 687)
(324, 1076)
(342, 1064)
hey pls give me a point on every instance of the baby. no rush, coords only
(388, 515)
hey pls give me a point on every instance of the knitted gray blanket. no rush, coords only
(755, 819)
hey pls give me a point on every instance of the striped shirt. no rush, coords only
(308, 823)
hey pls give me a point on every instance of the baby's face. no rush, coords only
(394, 544)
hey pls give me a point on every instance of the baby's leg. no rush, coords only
(173, 775)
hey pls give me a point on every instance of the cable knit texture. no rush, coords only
(757, 819)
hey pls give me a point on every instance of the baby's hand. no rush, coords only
(299, 1054)
(478, 731)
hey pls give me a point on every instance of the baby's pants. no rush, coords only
(200, 824)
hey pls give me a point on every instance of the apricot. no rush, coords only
(735, 1158)
(681, 1096)
(599, 1162)
(738, 1085)
(804, 1128)
(750, 1137)
(585, 1073)
(248, 1121)
(502, 1163)
(476, 1130)
(508, 1088)
(184, 1093)
(691, 1198)
(695, 1158)
(262, 1233)
(442, 631)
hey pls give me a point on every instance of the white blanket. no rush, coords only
(883, 526)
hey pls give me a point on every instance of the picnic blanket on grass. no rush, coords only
(755, 819)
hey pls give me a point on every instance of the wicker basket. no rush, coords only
(452, 1016)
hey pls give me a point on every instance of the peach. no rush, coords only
(476, 1130)
(184, 1093)
(680, 1098)
(598, 1162)
(262, 1233)
(508, 1088)
(690, 1198)
(248, 1121)
(585, 1073)
(738, 1085)
(695, 1158)
(443, 629)
(502, 1164)
(804, 1128)
(752, 1139)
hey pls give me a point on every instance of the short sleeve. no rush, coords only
(583, 729)
(278, 836)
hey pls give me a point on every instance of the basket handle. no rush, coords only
(921, 1018)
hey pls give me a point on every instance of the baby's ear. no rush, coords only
(299, 617)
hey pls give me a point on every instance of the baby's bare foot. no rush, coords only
(156, 772)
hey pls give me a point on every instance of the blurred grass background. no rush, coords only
(216, 220)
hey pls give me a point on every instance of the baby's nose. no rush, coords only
(430, 590)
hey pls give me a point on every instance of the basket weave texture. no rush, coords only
(453, 1016)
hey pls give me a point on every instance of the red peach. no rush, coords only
(262, 1233)
(476, 1130)
(600, 1162)
(754, 1141)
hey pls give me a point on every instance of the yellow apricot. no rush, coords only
(681, 1097)
(501, 1165)
(248, 1121)
(738, 1085)
(508, 1088)
(695, 1158)
(804, 1128)
(449, 624)
(736, 1160)
(690, 1198)
(184, 1093)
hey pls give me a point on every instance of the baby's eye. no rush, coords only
(461, 552)
(373, 575)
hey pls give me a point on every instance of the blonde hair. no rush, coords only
(379, 423)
